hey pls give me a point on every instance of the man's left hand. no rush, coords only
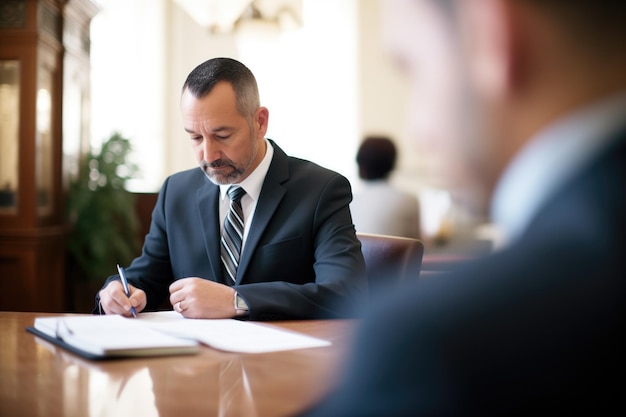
(202, 299)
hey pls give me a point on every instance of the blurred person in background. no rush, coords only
(529, 98)
(380, 207)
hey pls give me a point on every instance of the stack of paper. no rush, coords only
(164, 333)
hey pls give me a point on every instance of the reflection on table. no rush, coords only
(40, 379)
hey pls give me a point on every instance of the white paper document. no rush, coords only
(167, 332)
(229, 334)
(110, 336)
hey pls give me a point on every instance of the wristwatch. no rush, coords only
(240, 305)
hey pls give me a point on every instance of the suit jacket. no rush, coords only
(534, 329)
(301, 258)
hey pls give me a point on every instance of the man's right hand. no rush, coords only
(114, 301)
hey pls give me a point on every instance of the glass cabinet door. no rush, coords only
(43, 141)
(9, 134)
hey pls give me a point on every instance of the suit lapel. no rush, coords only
(271, 195)
(208, 207)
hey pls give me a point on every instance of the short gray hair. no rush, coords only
(205, 76)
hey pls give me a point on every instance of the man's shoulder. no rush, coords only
(297, 163)
(542, 265)
(183, 184)
(297, 173)
(307, 176)
(193, 176)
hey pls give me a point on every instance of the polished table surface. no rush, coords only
(39, 379)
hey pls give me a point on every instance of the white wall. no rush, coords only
(144, 49)
(308, 80)
(383, 94)
(128, 80)
(189, 44)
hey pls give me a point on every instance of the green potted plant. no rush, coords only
(103, 222)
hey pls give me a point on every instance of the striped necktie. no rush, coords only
(232, 238)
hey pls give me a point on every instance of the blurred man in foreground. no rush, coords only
(529, 97)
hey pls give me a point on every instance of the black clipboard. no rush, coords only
(59, 342)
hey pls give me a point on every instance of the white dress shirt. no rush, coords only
(252, 185)
(551, 158)
(382, 209)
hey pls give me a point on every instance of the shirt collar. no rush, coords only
(254, 182)
(550, 159)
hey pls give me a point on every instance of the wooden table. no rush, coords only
(39, 379)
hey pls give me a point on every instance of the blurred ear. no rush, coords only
(261, 120)
(494, 46)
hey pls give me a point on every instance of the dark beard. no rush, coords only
(229, 177)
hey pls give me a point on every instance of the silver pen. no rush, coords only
(120, 270)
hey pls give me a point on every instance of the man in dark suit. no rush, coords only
(293, 255)
(535, 91)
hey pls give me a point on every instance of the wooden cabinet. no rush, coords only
(33, 54)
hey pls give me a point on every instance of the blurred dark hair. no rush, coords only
(595, 26)
(205, 76)
(592, 24)
(376, 157)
